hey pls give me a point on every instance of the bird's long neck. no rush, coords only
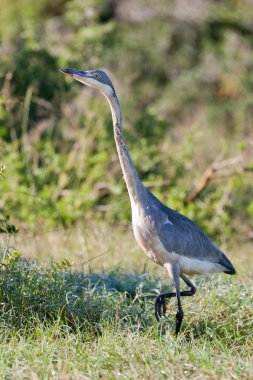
(134, 185)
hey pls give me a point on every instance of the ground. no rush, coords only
(92, 316)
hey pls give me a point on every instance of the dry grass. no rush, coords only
(100, 246)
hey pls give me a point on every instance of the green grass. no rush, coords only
(61, 322)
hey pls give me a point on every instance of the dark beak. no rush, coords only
(69, 72)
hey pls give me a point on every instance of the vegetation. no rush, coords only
(69, 323)
(186, 102)
(72, 303)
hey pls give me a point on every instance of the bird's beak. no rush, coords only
(81, 76)
(72, 72)
(66, 72)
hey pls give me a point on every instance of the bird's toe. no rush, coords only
(160, 307)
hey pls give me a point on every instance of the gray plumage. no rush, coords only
(167, 237)
(185, 238)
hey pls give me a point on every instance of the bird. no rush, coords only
(167, 237)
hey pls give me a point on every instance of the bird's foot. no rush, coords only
(160, 307)
(179, 318)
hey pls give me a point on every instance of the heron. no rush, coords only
(167, 237)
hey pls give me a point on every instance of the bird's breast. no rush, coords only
(144, 228)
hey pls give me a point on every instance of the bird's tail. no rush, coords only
(226, 263)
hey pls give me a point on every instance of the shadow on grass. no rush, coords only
(30, 294)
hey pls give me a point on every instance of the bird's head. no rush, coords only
(93, 78)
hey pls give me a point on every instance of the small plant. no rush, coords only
(5, 225)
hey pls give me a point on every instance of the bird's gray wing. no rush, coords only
(183, 237)
(180, 235)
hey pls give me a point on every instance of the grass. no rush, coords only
(89, 320)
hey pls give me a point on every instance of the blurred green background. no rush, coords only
(184, 76)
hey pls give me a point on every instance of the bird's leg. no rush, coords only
(160, 303)
(192, 287)
(180, 313)
(160, 306)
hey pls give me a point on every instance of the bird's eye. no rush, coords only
(97, 75)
